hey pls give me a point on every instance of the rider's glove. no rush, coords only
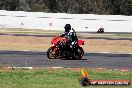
(72, 44)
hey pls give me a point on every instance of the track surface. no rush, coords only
(107, 38)
(39, 59)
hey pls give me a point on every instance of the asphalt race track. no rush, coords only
(39, 59)
(81, 37)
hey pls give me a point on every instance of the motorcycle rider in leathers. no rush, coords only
(70, 35)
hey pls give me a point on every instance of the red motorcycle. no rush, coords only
(61, 49)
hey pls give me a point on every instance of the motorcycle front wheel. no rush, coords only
(51, 54)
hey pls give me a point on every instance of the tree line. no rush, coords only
(103, 7)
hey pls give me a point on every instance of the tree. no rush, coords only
(114, 7)
(9, 4)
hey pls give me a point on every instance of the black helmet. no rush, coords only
(67, 27)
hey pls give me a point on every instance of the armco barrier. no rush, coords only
(56, 21)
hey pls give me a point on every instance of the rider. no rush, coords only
(70, 35)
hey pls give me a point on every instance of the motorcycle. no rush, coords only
(60, 49)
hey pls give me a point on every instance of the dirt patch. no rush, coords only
(102, 45)
(24, 43)
(33, 43)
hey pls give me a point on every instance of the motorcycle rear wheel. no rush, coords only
(79, 52)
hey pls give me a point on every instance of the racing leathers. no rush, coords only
(71, 37)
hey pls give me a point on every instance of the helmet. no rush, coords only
(67, 27)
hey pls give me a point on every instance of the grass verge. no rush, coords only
(55, 78)
(37, 43)
(29, 31)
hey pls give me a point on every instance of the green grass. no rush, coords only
(124, 35)
(55, 78)
(114, 35)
